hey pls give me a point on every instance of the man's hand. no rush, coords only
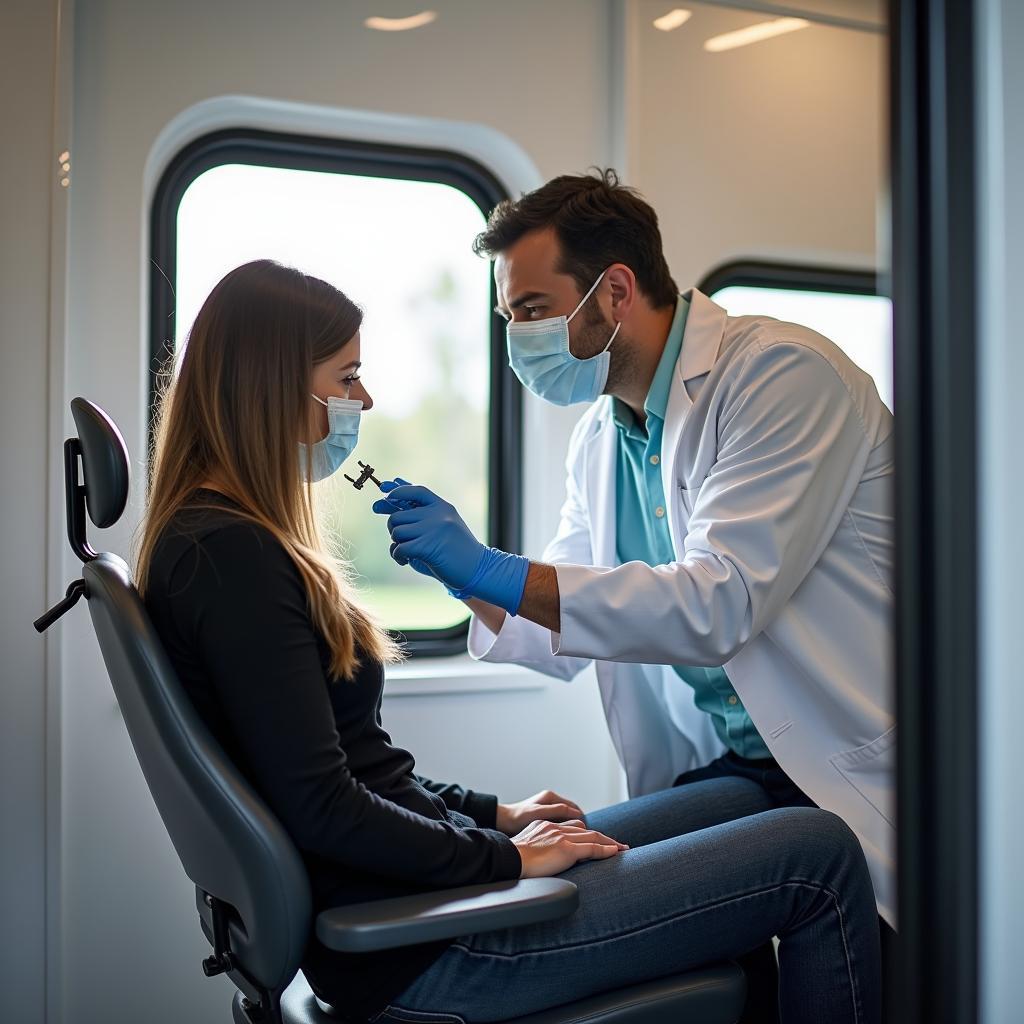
(428, 533)
(428, 530)
(543, 806)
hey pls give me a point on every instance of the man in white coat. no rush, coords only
(725, 551)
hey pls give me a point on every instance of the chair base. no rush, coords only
(711, 995)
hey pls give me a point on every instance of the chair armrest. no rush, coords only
(446, 914)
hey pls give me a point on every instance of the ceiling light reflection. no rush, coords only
(754, 34)
(672, 20)
(401, 24)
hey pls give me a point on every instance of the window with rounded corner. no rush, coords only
(843, 305)
(392, 228)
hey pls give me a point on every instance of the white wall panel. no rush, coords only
(771, 150)
(28, 185)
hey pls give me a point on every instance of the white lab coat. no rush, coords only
(777, 465)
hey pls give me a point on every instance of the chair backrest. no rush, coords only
(229, 843)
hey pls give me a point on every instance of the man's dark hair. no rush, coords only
(597, 221)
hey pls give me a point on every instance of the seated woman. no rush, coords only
(286, 668)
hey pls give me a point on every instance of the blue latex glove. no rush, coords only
(387, 507)
(387, 486)
(428, 531)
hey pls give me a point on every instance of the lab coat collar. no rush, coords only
(702, 338)
(602, 488)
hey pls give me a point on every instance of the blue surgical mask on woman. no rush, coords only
(538, 352)
(329, 453)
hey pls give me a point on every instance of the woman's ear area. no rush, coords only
(319, 423)
(320, 384)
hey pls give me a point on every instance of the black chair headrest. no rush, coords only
(104, 463)
(102, 494)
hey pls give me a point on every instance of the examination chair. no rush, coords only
(252, 890)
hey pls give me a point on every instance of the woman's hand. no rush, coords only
(548, 848)
(543, 806)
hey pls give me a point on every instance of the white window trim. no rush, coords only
(458, 675)
(506, 160)
(503, 157)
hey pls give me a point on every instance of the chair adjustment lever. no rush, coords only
(75, 590)
(223, 960)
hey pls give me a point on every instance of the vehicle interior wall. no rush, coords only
(28, 180)
(568, 85)
(773, 150)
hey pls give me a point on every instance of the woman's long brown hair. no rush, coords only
(236, 413)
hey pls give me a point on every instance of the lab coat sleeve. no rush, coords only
(791, 450)
(520, 641)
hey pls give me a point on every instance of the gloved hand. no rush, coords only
(387, 508)
(428, 532)
(389, 485)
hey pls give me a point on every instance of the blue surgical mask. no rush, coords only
(328, 454)
(538, 352)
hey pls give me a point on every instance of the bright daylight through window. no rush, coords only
(861, 325)
(401, 250)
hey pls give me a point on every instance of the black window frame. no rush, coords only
(804, 277)
(257, 147)
(933, 147)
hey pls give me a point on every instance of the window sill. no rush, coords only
(461, 674)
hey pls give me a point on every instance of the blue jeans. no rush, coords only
(778, 786)
(714, 870)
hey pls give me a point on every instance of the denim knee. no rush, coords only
(825, 827)
(839, 838)
(822, 847)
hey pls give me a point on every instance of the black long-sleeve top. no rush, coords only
(231, 609)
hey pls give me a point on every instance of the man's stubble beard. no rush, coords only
(592, 339)
(624, 367)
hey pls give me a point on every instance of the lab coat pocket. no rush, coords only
(687, 499)
(871, 770)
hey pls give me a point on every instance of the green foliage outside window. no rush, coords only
(401, 248)
(441, 443)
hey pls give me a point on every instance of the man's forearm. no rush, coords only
(540, 602)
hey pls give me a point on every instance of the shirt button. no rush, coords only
(655, 459)
(659, 512)
(734, 699)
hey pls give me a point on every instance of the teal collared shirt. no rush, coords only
(642, 534)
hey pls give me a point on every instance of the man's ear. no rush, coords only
(622, 284)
